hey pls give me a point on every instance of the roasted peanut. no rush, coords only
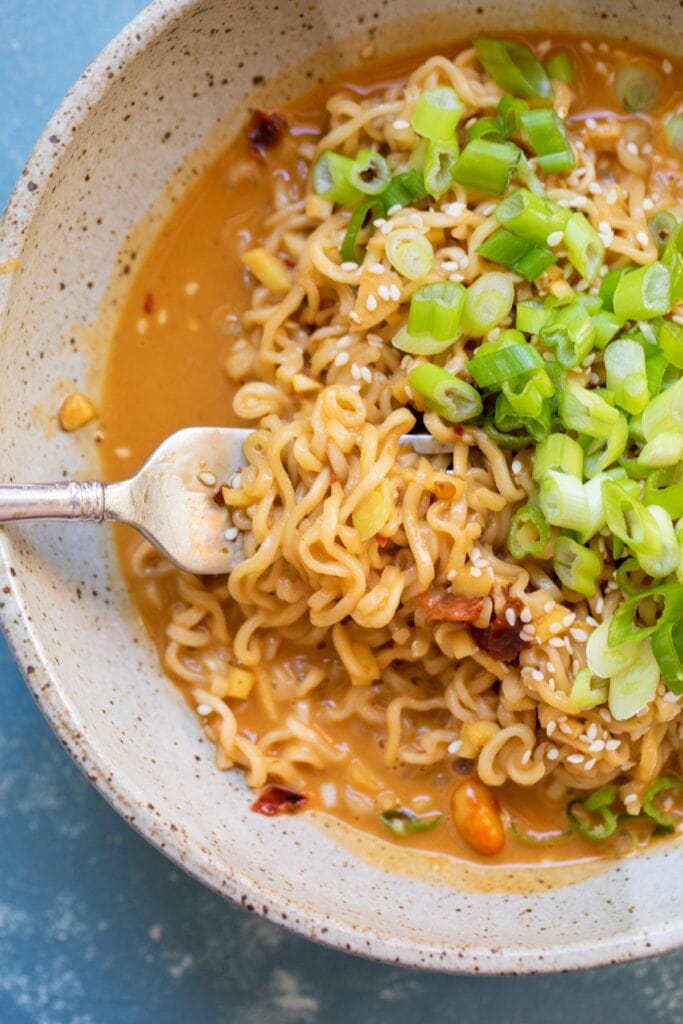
(76, 410)
(477, 817)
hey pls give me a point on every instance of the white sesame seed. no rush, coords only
(555, 627)
(416, 220)
(630, 798)
(371, 303)
(612, 196)
(349, 265)
(579, 635)
(454, 747)
(591, 123)
(643, 238)
(647, 203)
(568, 619)
(556, 642)
(475, 571)
(537, 675)
(551, 727)
(552, 753)
(632, 148)
(387, 228)
(376, 268)
(599, 605)
(516, 467)
(394, 293)
(590, 764)
(548, 607)
(208, 479)
(383, 292)
(554, 238)
(552, 682)
(366, 374)
(596, 746)
(526, 756)
(204, 709)
(592, 731)
(594, 188)
(231, 533)
(400, 124)
(525, 615)
(453, 209)
(575, 759)
(578, 202)
(380, 222)
(612, 744)
(667, 66)
(566, 728)
(355, 371)
(354, 316)
(394, 209)
(457, 278)
(235, 480)
(590, 621)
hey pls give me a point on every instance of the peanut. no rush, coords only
(477, 817)
(76, 410)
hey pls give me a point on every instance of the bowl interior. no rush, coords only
(167, 88)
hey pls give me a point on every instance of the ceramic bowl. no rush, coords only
(159, 98)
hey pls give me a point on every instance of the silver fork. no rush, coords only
(171, 500)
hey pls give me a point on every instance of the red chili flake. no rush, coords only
(278, 800)
(501, 640)
(148, 304)
(219, 497)
(442, 607)
(381, 541)
(264, 130)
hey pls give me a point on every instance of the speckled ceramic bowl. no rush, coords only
(165, 88)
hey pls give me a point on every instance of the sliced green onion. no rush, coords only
(609, 283)
(511, 440)
(531, 317)
(602, 452)
(664, 413)
(404, 189)
(603, 660)
(543, 840)
(672, 258)
(558, 452)
(643, 294)
(487, 166)
(571, 333)
(585, 247)
(370, 172)
(563, 501)
(586, 412)
(670, 341)
(528, 177)
(560, 67)
(489, 300)
(331, 179)
(447, 395)
(582, 695)
(622, 628)
(490, 369)
(667, 647)
(636, 86)
(439, 166)
(514, 253)
(673, 128)
(548, 138)
(404, 822)
(437, 309)
(367, 209)
(652, 809)
(626, 375)
(593, 817)
(514, 67)
(419, 344)
(508, 419)
(623, 576)
(528, 534)
(510, 111)
(487, 128)
(373, 512)
(437, 113)
(669, 498)
(527, 395)
(634, 687)
(661, 226)
(531, 217)
(577, 567)
(648, 532)
(666, 449)
(607, 326)
(409, 252)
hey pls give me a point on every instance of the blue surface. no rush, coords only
(95, 926)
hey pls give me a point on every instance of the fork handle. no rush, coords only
(69, 499)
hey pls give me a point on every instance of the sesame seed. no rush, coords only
(592, 731)
(457, 278)
(231, 533)
(141, 325)
(599, 605)
(235, 480)
(371, 303)
(579, 202)
(525, 615)
(453, 209)
(380, 222)
(575, 759)
(630, 798)
(526, 756)
(475, 571)
(516, 467)
(552, 753)
(551, 727)
(400, 124)
(568, 619)
(394, 209)
(366, 374)
(416, 220)
(552, 682)
(590, 621)
(590, 764)
(208, 479)
(548, 606)
(537, 675)
(667, 66)
(449, 265)
(376, 268)
(204, 709)
(579, 635)
(604, 228)
(612, 744)
(355, 371)
(394, 293)
(383, 292)
(354, 316)
(556, 642)
(555, 627)
(565, 728)
(387, 228)
(454, 747)
(594, 188)
(342, 359)
(591, 123)
(632, 148)
(612, 196)
(643, 239)
(596, 746)
(349, 265)
(554, 238)
(647, 203)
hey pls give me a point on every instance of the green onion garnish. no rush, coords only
(585, 248)
(626, 374)
(409, 252)
(501, 362)
(528, 533)
(665, 784)
(674, 131)
(489, 300)
(530, 317)
(437, 309)
(666, 449)
(669, 498)
(672, 258)
(570, 331)
(606, 325)
(586, 412)
(648, 532)
(670, 341)
(643, 294)
(560, 67)
(514, 67)
(404, 822)
(508, 418)
(593, 817)
(531, 217)
(364, 212)
(609, 283)
(439, 166)
(563, 501)
(404, 189)
(437, 113)
(558, 452)
(600, 453)
(577, 567)
(636, 86)
(370, 172)
(661, 226)
(582, 695)
(622, 627)
(331, 179)
(544, 840)
(667, 647)
(487, 166)
(548, 138)
(664, 413)
(453, 399)
(514, 253)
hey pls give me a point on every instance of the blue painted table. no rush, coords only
(95, 926)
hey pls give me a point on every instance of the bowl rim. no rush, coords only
(42, 678)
